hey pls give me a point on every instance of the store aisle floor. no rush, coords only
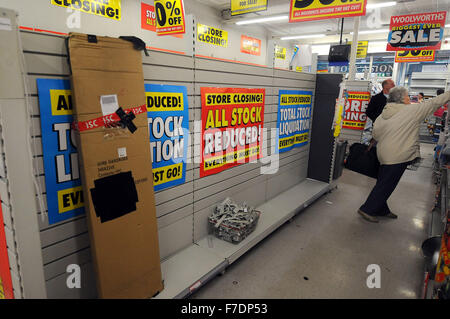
(325, 250)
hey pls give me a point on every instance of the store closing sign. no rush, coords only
(148, 17)
(169, 17)
(246, 6)
(355, 110)
(415, 56)
(294, 116)
(168, 121)
(106, 8)
(250, 45)
(280, 53)
(417, 31)
(62, 173)
(232, 127)
(307, 10)
(212, 35)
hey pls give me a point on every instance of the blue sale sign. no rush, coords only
(168, 121)
(294, 117)
(62, 175)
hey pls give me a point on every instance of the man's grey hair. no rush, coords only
(397, 94)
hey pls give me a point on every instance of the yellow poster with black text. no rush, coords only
(246, 6)
(169, 17)
(308, 10)
(212, 35)
(280, 53)
(110, 9)
(415, 56)
(361, 51)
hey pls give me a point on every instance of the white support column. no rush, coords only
(352, 63)
(15, 123)
(369, 76)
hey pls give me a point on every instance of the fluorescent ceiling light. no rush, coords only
(372, 31)
(261, 20)
(381, 5)
(309, 36)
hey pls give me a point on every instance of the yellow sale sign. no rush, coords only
(308, 10)
(169, 17)
(415, 56)
(246, 6)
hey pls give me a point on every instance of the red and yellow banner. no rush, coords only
(355, 110)
(415, 56)
(423, 31)
(169, 17)
(6, 289)
(250, 45)
(307, 10)
(232, 127)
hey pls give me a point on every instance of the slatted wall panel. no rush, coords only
(67, 242)
(245, 182)
(181, 210)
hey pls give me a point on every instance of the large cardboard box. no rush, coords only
(116, 167)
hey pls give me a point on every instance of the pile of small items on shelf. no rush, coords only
(232, 222)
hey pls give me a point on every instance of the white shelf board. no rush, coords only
(200, 261)
(185, 268)
(274, 213)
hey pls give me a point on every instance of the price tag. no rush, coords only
(169, 17)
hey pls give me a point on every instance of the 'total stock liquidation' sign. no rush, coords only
(168, 121)
(212, 35)
(355, 110)
(417, 31)
(232, 127)
(294, 116)
(307, 10)
(106, 8)
(62, 172)
(169, 17)
(246, 6)
(415, 56)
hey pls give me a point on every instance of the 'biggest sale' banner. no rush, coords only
(307, 10)
(355, 110)
(232, 127)
(417, 31)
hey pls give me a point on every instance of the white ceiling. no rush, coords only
(374, 19)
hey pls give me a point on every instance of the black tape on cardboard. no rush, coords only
(114, 196)
(126, 120)
(138, 44)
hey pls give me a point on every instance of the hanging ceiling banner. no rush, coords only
(423, 31)
(250, 45)
(245, 6)
(308, 10)
(415, 56)
(109, 9)
(169, 17)
(148, 17)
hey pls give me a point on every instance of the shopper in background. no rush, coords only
(440, 111)
(397, 134)
(377, 102)
(421, 96)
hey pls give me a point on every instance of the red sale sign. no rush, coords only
(6, 289)
(232, 127)
(355, 110)
(148, 17)
(423, 31)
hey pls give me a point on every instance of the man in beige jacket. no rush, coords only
(397, 132)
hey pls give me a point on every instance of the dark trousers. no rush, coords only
(388, 178)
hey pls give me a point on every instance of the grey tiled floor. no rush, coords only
(324, 252)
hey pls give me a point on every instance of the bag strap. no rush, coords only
(372, 143)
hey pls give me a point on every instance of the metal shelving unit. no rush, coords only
(428, 82)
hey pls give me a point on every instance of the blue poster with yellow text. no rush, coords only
(294, 119)
(62, 173)
(168, 121)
